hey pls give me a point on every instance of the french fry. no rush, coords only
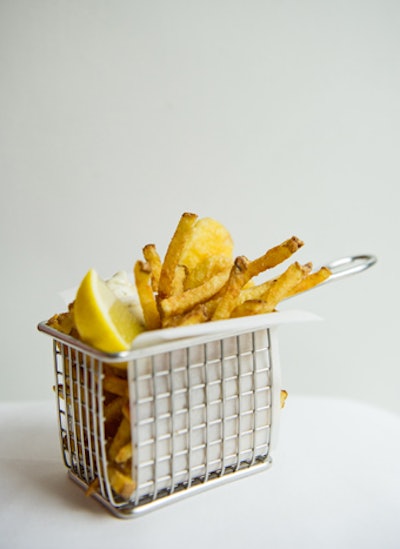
(284, 283)
(284, 395)
(151, 256)
(92, 488)
(178, 285)
(310, 281)
(116, 385)
(62, 322)
(196, 315)
(113, 409)
(113, 416)
(274, 256)
(143, 273)
(174, 252)
(126, 411)
(124, 453)
(120, 369)
(206, 269)
(251, 307)
(121, 483)
(255, 292)
(237, 279)
(121, 438)
(180, 304)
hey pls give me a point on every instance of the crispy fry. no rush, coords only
(196, 315)
(310, 281)
(113, 410)
(237, 279)
(121, 483)
(274, 256)
(124, 453)
(117, 369)
(116, 385)
(284, 283)
(179, 304)
(143, 273)
(93, 487)
(251, 307)
(255, 292)
(126, 411)
(151, 256)
(206, 269)
(122, 437)
(178, 285)
(174, 252)
(64, 322)
(284, 395)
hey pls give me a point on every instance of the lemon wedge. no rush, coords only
(103, 320)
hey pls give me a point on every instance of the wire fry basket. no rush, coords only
(200, 405)
(203, 411)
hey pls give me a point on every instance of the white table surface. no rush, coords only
(335, 483)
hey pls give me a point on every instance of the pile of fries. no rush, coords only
(179, 291)
(199, 280)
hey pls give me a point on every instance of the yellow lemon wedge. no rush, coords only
(103, 320)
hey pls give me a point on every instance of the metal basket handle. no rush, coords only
(350, 265)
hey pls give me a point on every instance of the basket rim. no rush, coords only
(167, 339)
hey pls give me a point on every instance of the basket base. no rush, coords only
(130, 510)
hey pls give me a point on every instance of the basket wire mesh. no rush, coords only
(201, 413)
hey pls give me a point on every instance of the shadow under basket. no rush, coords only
(144, 428)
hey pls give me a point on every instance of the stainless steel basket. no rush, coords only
(203, 401)
(202, 412)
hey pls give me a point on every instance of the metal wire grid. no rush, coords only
(80, 411)
(198, 413)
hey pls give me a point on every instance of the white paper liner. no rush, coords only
(222, 327)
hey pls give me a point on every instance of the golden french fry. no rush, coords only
(120, 368)
(64, 322)
(237, 279)
(180, 304)
(151, 256)
(113, 409)
(142, 272)
(284, 395)
(124, 453)
(174, 252)
(206, 269)
(122, 437)
(196, 315)
(120, 482)
(125, 411)
(93, 487)
(178, 285)
(255, 292)
(310, 281)
(116, 385)
(251, 307)
(274, 256)
(284, 283)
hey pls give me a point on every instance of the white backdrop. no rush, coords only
(275, 117)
